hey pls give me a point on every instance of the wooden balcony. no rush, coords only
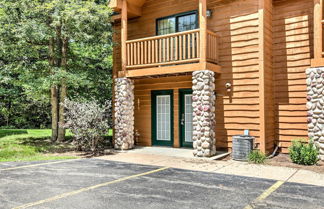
(167, 54)
(172, 53)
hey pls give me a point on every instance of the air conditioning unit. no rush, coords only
(242, 146)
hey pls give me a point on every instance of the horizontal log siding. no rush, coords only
(292, 49)
(236, 24)
(268, 79)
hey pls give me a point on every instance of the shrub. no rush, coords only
(256, 157)
(303, 153)
(88, 121)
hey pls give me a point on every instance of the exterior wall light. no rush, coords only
(228, 87)
(209, 13)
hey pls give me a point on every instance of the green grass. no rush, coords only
(31, 145)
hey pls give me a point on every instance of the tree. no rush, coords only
(54, 45)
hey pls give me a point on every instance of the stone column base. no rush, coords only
(203, 86)
(124, 114)
(315, 107)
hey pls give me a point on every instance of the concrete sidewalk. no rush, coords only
(183, 159)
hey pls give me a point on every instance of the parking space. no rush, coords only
(94, 183)
(293, 195)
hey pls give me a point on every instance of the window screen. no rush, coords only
(177, 23)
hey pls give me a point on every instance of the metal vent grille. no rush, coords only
(242, 146)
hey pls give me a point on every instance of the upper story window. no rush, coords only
(177, 23)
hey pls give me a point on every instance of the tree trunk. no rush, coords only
(54, 103)
(63, 91)
(61, 130)
(8, 115)
(54, 93)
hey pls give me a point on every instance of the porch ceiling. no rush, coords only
(134, 7)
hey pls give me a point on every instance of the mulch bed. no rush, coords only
(284, 161)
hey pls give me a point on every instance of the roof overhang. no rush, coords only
(134, 7)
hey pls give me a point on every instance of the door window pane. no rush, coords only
(163, 117)
(188, 117)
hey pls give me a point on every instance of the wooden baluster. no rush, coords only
(196, 45)
(153, 50)
(167, 49)
(145, 52)
(193, 45)
(142, 53)
(180, 47)
(215, 48)
(156, 51)
(176, 49)
(211, 47)
(208, 48)
(172, 49)
(189, 45)
(184, 47)
(139, 53)
(127, 55)
(160, 50)
(149, 52)
(164, 51)
(193, 40)
(134, 53)
(131, 54)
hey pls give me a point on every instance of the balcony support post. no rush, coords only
(203, 30)
(204, 118)
(124, 20)
(318, 31)
(124, 114)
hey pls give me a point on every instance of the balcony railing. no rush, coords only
(212, 47)
(171, 49)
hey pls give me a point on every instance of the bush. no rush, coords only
(89, 122)
(303, 153)
(256, 157)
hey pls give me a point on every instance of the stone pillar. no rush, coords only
(315, 107)
(124, 114)
(203, 86)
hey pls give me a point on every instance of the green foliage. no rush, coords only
(256, 157)
(89, 122)
(303, 153)
(26, 75)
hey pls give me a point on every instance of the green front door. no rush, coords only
(185, 117)
(162, 117)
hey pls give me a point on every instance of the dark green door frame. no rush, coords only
(182, 93)
(153, 117)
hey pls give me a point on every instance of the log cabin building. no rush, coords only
(194, 73)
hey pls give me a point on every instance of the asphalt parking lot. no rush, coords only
(94, 183)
